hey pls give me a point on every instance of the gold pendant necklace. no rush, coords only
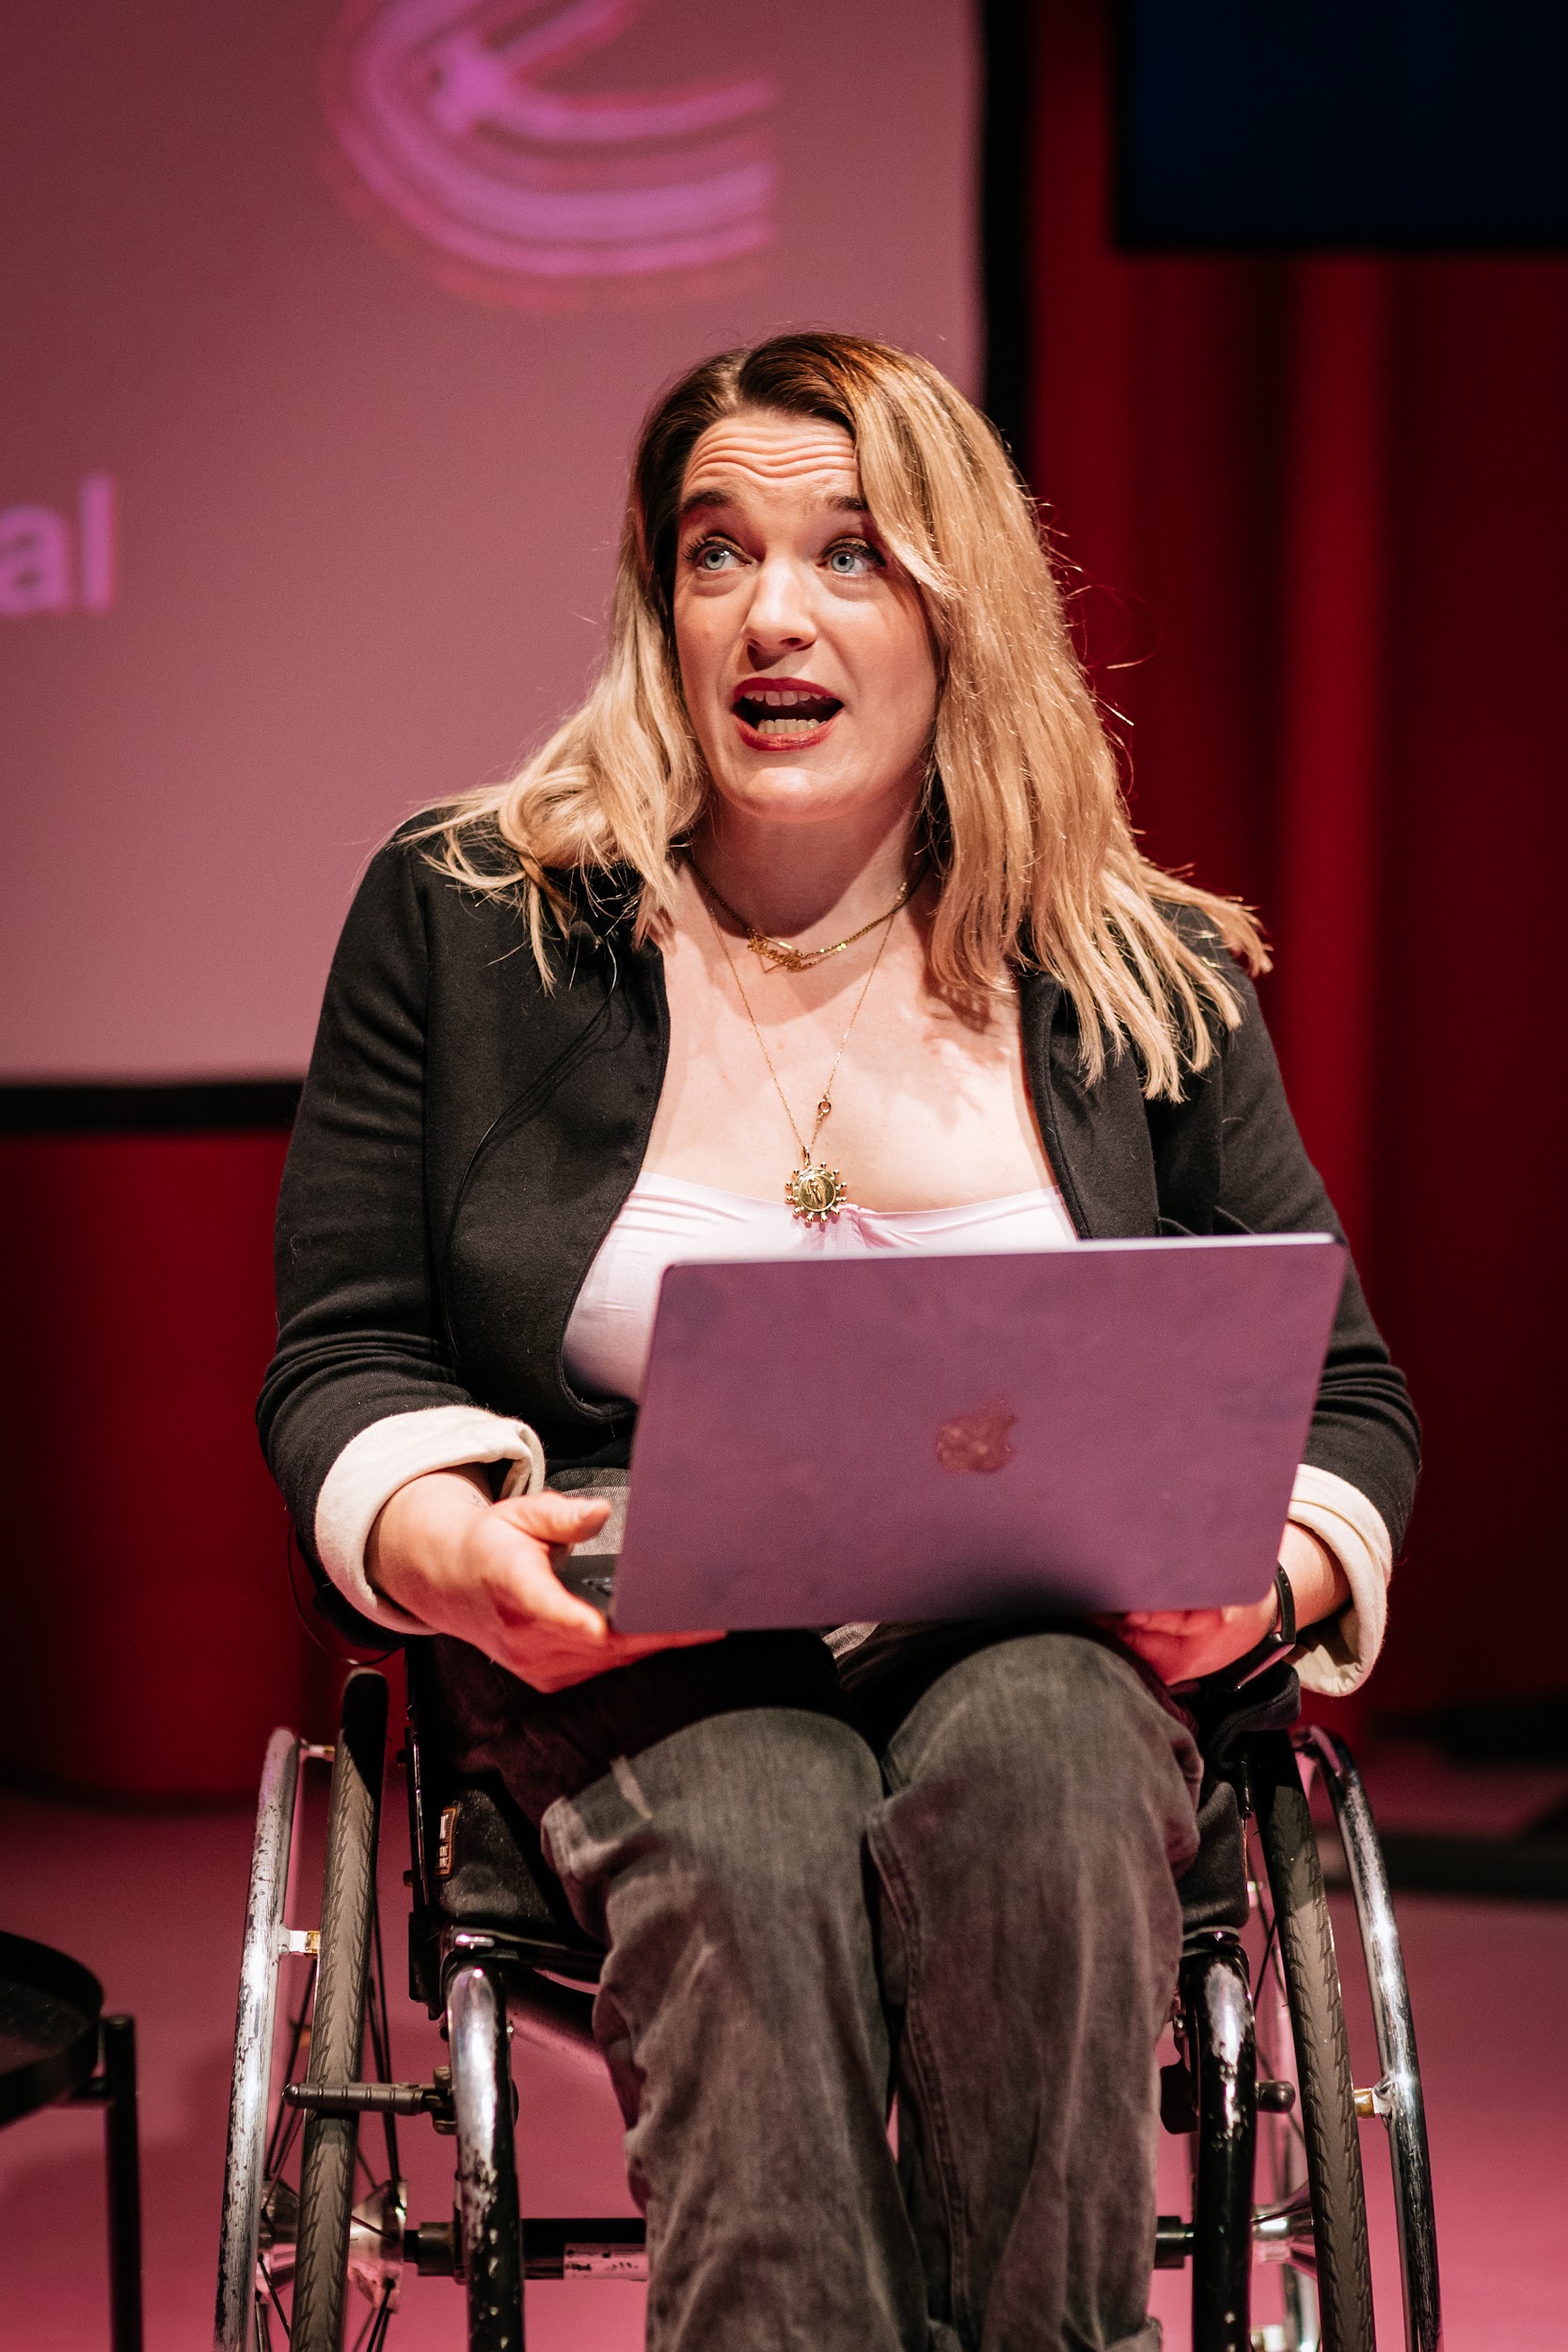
(814, 1192)
(779, 955)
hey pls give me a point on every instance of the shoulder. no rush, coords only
(410, 890)
(420, 925)
(449, 869)
(1198, 932)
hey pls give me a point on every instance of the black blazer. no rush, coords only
(465, 1141)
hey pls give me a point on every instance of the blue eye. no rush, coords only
(711, 555)
(851, 558)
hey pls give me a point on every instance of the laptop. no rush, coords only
(827, 1441)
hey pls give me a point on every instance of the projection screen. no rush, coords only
(327, 328)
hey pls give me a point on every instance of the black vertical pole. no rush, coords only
(124, 2177)
(1216, 1999)
(1006, 126)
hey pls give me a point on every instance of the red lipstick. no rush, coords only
(782, 714)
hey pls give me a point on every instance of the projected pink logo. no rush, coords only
(525, 193)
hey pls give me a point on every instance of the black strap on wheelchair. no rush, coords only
(1214, 1890)
(1278, 1642)
(1227, 1718)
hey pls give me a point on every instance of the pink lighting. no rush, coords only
(439, 106)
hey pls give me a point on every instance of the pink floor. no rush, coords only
(156, 1907)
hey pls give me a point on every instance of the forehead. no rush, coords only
(761, 452)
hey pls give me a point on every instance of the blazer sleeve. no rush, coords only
(361, 1392)
(1364, 1428)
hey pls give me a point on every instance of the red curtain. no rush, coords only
(151, 1643)
(1317, 513)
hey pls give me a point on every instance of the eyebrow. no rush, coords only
(714, 496)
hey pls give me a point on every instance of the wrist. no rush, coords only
(419, 1530)
(1318, 1585)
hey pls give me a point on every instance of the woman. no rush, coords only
(819, 928)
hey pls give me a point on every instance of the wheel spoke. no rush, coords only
(373, 2333)
(271, 2298)
(287, 2121)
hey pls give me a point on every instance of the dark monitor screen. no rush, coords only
(1343, 123)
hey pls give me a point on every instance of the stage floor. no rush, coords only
(155, 1905)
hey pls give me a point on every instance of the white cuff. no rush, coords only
(1336, 1655)
(372, 1468)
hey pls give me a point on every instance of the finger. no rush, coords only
(551, 1658)
(1183, 1623)
(626, 1646)
(554, 1659)
(1151, 1647)
(553, 1519)
(1165, 1657)
(526, 1590)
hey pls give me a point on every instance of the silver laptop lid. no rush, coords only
(1112, 1426)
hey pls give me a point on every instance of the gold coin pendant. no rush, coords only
(814, 1193)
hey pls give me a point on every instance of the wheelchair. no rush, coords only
(315, 2232)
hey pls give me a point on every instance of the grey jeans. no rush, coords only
(981, 1918)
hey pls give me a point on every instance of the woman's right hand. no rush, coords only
(480, 1571)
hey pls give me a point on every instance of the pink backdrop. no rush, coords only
(324, 340)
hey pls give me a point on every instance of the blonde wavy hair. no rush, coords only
(1025, 821)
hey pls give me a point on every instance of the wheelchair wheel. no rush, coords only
(295, 2237)
(1396, 2099)
(245, 2187)
(329, 2156)
(1313, 2218)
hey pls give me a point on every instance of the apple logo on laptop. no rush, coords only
(978, 1441)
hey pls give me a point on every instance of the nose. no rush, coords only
(780, 619)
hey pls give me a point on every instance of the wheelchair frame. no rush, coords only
(316, 2241)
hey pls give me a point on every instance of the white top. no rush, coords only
(667, 1221)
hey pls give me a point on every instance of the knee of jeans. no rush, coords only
(1053, 1725)
(754, 1818)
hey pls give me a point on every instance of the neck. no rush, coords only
(791, 881)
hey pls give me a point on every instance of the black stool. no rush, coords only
(56, 2047)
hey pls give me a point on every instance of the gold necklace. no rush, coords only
(775, 955)
(813, 1192)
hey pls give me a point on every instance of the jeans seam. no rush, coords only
(922, 2067)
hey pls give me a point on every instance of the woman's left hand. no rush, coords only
(1184, 1644)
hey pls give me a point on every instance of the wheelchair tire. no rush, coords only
(1325, 2083)
(330, 2143)
(244, 2163)
(1400, 2101)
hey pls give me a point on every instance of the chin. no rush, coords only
(791, 791)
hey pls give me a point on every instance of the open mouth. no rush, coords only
(781, 712)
